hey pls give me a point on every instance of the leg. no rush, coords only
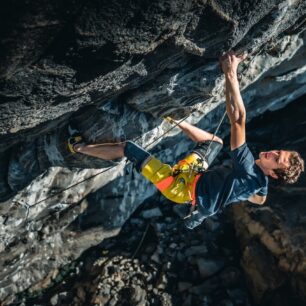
(107, 151)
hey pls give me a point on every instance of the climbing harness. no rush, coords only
(198, 167)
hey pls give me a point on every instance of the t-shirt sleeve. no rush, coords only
(243, 160)
(263, 191)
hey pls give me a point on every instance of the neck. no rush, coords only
(258, 163)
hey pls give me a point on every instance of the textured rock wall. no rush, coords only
(112, 70)
(273, 249)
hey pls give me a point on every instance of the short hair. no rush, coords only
(291, 174)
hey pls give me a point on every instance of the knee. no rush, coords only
(126, 147)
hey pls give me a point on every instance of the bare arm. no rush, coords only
(234, 103)
(257, 199)
(194, 133)
(235, 108)
(235, 111)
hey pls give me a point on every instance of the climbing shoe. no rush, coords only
(170, 120)
(72, 141)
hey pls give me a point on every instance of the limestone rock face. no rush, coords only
(112, 70)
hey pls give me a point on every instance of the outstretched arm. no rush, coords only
(193, 132)
(234, 103)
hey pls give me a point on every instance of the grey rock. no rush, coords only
(149, 277)
(159, 227)
(152, 213)
(162, 282)
(106, 290)
(156, 258)
(196, 250)
(139, 295)
(168, 265)
(208, 267)
(120, 284)
(173, 246)
(169, 220)
(166, 299)
(155, 291)
(54, 300)
(113, 301)
(136, 261)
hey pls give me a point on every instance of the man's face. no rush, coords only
(275, 159)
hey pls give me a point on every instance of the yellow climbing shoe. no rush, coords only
(72, 141)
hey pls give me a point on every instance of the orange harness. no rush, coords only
(191, 186)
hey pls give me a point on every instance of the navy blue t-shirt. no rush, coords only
(223, 185)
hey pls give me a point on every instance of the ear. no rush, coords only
(273, 174)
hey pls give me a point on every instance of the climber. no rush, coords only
(186, 182)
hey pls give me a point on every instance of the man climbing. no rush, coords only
(186, 182)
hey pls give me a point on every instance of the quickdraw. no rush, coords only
(191, 168)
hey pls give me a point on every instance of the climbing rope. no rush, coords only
(28, 207)
(177, 123)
